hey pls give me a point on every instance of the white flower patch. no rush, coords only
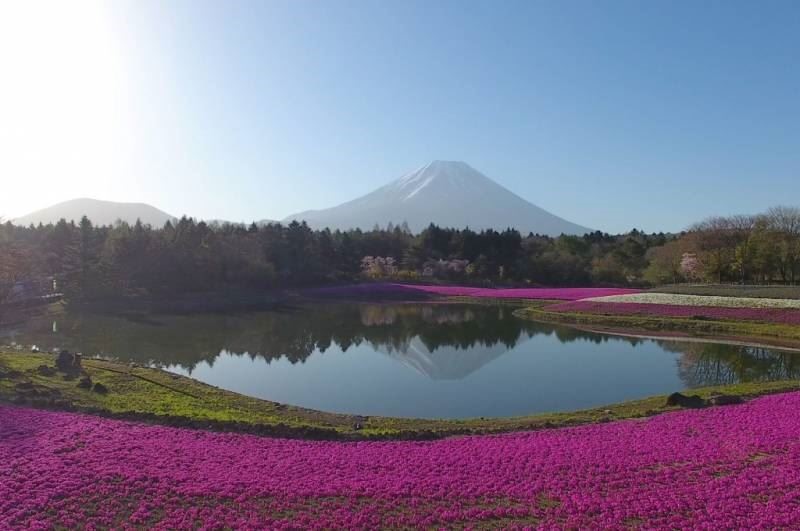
(700, 300)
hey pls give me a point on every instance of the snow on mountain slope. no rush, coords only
(449, 194)
(445, 362)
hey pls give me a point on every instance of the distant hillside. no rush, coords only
(449, 194)
(99, 212)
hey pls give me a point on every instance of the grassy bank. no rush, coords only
(732, 290)
(153, 395)
(757, 332)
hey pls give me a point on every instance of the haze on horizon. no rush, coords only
(651, 115)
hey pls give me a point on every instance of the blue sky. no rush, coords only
(611, 114)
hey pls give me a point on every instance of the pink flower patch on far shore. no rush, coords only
(416, 291)
(733, 467)
(772, 315)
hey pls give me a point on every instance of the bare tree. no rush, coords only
(743, 229)
(784, 222)
(715, 241)
(665, 262)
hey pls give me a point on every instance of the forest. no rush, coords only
(96, 262)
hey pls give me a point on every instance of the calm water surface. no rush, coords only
(412, 360)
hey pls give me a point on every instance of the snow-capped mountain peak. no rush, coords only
(447, 193)
(449, 173)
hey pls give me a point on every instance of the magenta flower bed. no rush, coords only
(732, 467)
(772, 315)
(418, 291)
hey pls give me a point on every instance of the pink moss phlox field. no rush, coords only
(416, 291)
(733, 467)
(772, 315)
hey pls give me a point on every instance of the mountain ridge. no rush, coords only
(99, 212)
(450, 194)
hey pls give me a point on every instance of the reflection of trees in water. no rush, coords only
(290, 332)
(297, 332)
(568, 334)
(703, 364)
(386, 314)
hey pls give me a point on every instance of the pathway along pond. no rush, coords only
(409, 360)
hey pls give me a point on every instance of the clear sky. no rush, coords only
(612, 114)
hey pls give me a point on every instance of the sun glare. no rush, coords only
(63, 111)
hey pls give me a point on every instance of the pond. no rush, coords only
(428, 360)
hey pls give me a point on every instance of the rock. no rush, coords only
(68, 363)
(725, 400)
(85, 383)
(100, 388)
(692, 401)
(45, 370)
(64, 360)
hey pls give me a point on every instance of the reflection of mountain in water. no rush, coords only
(435, 360)
(444, 362)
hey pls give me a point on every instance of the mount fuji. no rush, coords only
(447, 193)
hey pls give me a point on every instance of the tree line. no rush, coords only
(187, 256)
(746, 249)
